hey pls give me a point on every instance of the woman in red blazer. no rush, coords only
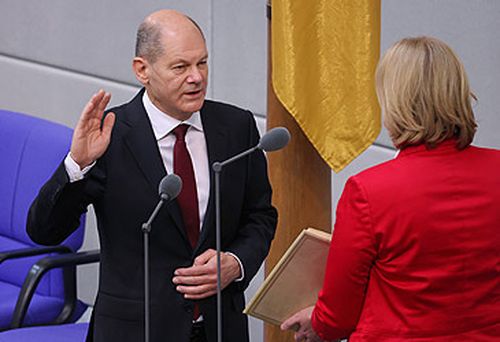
(415, 249)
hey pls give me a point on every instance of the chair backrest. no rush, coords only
(30, 151)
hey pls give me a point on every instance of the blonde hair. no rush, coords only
(424, 93)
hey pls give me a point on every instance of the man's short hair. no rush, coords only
(424, 93)
(148, 42)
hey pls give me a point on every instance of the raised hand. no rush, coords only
(200, 280)
(91, 136)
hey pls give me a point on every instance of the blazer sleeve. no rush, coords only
(258, 217)
(55, 212)
(352, 253)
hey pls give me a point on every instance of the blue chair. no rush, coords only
(53, 333)
(30, 151)
(61, 333)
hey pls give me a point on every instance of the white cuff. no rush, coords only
(241, 267)
(73, 169)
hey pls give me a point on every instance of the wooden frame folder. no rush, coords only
(295, 281)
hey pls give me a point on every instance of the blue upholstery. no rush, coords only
(30, 151)
(60, 333)
(49, 306)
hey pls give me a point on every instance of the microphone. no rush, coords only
(169, 188)
(275, 139)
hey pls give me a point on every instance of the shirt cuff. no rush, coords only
(241, 267)
(73, 169)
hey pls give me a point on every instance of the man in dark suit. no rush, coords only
(116, 162)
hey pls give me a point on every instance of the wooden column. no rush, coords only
(301, 183)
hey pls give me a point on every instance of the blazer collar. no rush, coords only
(216, 136)
(141, 142)
(446, 146)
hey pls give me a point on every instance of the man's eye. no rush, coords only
(202, 63)
(179, 67)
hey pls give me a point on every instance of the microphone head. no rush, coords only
(274, 139)
(170, 187)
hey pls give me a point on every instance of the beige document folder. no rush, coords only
(295, 281)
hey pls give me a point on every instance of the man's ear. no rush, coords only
(140, 67)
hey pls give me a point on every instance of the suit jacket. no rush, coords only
(123, 188)
(415, 250)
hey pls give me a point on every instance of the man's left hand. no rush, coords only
(200, 280)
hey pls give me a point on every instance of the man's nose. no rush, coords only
(195, 75)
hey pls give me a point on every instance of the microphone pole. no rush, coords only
(273, 140)
(170, 186)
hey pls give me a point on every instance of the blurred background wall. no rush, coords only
(54, 54)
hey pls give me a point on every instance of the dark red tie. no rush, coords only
(188, 198)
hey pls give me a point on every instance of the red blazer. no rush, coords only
(415, 250)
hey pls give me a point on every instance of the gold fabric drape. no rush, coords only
(324, 55)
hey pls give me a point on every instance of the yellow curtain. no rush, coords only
(324, 55)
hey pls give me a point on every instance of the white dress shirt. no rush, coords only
(163, 126)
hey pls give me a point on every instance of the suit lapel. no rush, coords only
(216, 136)
(143, 147)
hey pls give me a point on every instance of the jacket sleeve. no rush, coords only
(55, 212)
(352, 253)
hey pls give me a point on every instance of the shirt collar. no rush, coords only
(163, 123)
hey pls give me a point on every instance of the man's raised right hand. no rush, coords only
(91, 136)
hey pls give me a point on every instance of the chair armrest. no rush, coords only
(80, 258)
(35, 275)
(31, 251)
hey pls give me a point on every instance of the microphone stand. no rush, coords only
(146, 229)
(217, 168)
(273, 140)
